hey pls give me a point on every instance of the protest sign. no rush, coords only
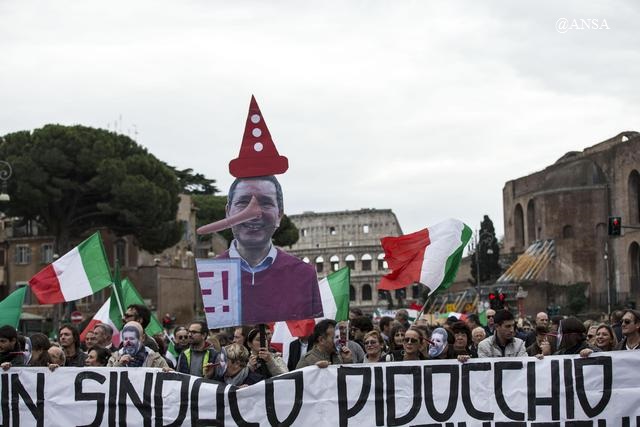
(221, 291)
(556, 391)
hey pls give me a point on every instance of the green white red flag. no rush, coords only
(81, 272)
(430, 257)
(334, 294)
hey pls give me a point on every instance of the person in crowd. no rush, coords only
(223, 339)
(402, 317)
(234, 360)
(323, 351)
(133, 352)
(104, 336)
(426, 334)
(140, 313)
(261, 360)
(385, 328)
(616, 323)
(355, 312)
(502, 343)
(89, 341)
(411, 345)
(473, 321)
(10, 352)
(572, 338)
(162, 340)
(39, 350)
(200, 354)
(477, 335)
(297, 349)
(56, 357)
(374, 347)
(541, 344)
(98, 357)
(491, 314)
(630, 330)
(357, 352)
(605, 338)
(463, 343)
(423, 320)
(240, 334)
(180, 339)
(591, 334)
(396, 337)
(359, 327)
(69, 339)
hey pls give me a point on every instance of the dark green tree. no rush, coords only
(71, 179)
(487, 251)
(212, 208)
(195, 183)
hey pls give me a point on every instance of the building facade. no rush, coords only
(333, 240)
(569, 202)
(166, 281)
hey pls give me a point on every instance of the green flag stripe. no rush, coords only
(339, 284)
(94, 262)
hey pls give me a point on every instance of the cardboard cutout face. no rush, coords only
(439, 340)
(256, 234)
(269, 285)
(130, 341)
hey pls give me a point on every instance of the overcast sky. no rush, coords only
(423, 107)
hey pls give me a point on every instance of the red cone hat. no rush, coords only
(258, 155)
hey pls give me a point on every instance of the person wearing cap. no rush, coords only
(134, 353)
(275, 285)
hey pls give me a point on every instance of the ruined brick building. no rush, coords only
(569, 202)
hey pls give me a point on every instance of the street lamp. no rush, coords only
(483, 240)
(5, 174)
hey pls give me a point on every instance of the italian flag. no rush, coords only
(81, 272)
(334, 293)
(430, 257)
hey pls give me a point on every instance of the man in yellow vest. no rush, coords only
(200, 356)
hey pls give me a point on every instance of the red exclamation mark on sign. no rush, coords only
(225, 290)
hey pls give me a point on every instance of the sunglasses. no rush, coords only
(409, 340)
(590, 336)
(371, 342)
(490, 317)
(627, 321)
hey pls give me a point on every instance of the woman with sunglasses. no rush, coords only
(411, 345)
(373, 347)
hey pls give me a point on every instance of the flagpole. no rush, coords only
(421, 312)
(115, 290)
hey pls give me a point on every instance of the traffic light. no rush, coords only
(615, 225)
(493, 301)
(497, 300)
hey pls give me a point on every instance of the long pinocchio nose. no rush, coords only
(252, 211)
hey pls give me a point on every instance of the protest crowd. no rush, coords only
(241, 356)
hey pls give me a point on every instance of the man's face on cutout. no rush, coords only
(256, 233)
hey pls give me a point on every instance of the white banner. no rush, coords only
(557, 391)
